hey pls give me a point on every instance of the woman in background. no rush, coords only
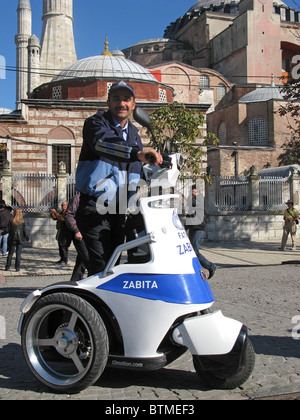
(17, 234)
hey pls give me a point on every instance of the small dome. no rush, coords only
(102, 66)
(207, 4)
(262, 95)
(210, 4)
(118, 53)
(34, 41)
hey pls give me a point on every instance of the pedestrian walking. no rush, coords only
(5, 216)
(196, 222)
(17, 235)
(82, 259)
(291, 219)
(63, 235)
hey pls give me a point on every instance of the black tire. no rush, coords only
(64, 342)
(224, 379)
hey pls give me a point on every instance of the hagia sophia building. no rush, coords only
(223, 58)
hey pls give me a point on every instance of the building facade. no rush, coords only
(210, 59)
(251, 45)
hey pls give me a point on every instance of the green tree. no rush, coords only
(181, 128)
(291, 109)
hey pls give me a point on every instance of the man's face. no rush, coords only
(121, 104)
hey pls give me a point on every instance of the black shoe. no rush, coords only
(7, 268)
(58, 262)
(17, 269)
(212, 271)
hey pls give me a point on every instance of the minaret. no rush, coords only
(57, 42)
(21, 40)
(34, 52)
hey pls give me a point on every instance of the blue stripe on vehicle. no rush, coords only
(171, 288)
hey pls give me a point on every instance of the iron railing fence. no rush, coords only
(34, 192)
(39, 192)
(273, 193)
(231, 193)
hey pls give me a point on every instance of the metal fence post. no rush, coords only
(210, 192)
(254, 189)
(294, 186)
(62, 178)
(6, 183)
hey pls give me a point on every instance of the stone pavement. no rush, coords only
(41, 261)
(246, 253)
(251, 285)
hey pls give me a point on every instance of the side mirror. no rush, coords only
(142, 117)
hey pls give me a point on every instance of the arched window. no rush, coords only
(258, 131)
(61, 140)
(222, 133)
(204, 82)
(221, 91)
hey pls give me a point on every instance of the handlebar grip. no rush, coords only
(150, 158)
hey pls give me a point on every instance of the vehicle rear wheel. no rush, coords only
(227, 378)
(65, 342)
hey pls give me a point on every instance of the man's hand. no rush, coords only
(156, 158)
(78, 236)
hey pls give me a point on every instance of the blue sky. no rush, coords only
(124, 23)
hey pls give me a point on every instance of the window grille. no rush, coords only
(56, 92)
(61, 153)
(222, 133)
(3, 155)
(258, 131)
(109, 85)
(204, 82)
(162, 95)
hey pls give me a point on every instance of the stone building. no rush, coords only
(244, 40)
(218, 58)
(48, 127)
(250, 130)
(251, 45)
(210, 58)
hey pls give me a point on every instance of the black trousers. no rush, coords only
(82, 260)
(101, 233)
(11, 250)
(64, 241)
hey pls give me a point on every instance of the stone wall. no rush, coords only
(245, 226)
(41, 229)
(222, 226)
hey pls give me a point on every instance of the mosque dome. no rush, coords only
(90, 79)
(105, 66)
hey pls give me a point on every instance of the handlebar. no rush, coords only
(150, 158)
(167, 163)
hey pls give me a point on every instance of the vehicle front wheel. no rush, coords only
(65, 342)
(227, 378)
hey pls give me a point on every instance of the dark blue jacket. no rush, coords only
(104, 175)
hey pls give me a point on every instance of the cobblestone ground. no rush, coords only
(266, 299)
